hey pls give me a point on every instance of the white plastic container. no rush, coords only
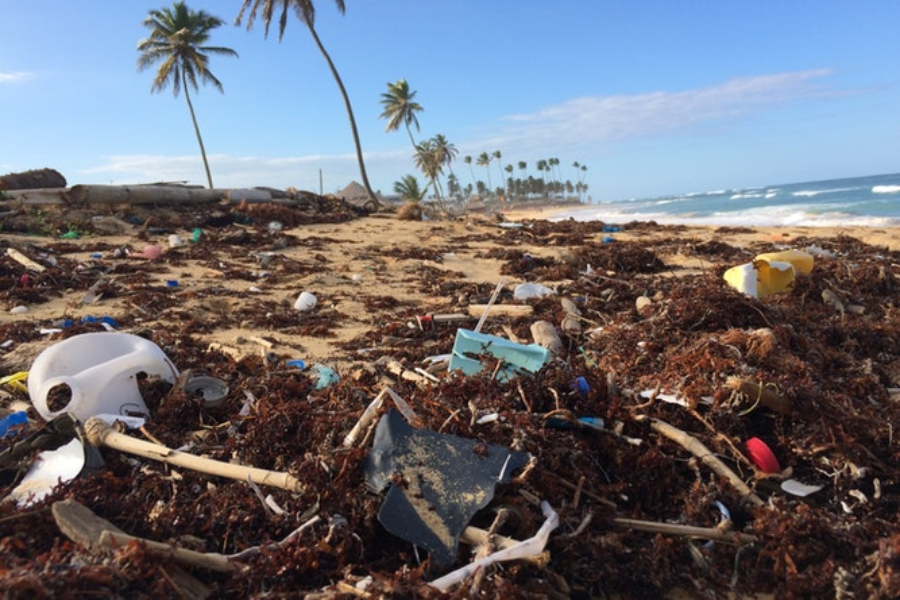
(100, 371)
(306, 301)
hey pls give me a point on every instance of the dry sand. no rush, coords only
(352, 261)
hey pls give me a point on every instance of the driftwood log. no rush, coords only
(29, 180)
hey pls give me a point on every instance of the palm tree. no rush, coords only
(408, 189)
(306, 12)
(428, 161)
(177, 38)
(468, 160)
(484, 160)
(445, 152)
(399, 108)
(496, 154)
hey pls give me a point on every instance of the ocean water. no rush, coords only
(872, 201)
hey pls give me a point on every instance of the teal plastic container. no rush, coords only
(516, 357)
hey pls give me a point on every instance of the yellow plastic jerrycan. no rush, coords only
(803, 262)
(769, 273)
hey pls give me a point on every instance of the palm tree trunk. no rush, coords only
(196, 128)
(337, 78)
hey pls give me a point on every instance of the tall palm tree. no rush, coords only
(468, 160)
(445, 152)
(496, 154)
(484, 160)
(400, 108)
(306, 12)
(177, 38)
(428, 161)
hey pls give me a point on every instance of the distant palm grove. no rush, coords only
(178, 43)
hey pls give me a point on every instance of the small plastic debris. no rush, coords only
(798, 488)
(445, 481)
(50, 469)
(762, 456)
(305, 302)
(171, 283)
(196, 234)
(19, 310)
(211, 390)
(325, 376)
(296, 363)
(151, 252)
(12, 422)
(175, 241)
(526, 291)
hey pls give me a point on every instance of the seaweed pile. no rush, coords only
(812, 373)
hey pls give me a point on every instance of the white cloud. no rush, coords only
(607, 119)
(14, 77)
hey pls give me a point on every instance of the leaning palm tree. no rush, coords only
(177, 38)
(428, 161)
(445, 152)
(306, 12)
(400, 108)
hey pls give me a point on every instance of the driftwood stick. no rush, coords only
(762, 395)
(25, 261)
(709, 533)
(696, 447)
(99, 433)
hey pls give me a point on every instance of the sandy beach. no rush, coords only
(659, 339)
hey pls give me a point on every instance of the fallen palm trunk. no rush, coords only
(99, 433)
(142, 194)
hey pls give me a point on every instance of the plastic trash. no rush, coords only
(305, 302)
(51, 467)
(151, 251)
(762, 456)
(196, 234)
(325, 376)
(525, 291)
(98, 372)
(175, 241)
(211, 390)
(469, 345)
(769, 273)
(12, 422)
(447, 479)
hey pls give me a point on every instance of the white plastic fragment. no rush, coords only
(525, 291)
(527, 548)
(798, 488)
(51, 468)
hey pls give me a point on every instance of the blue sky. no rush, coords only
(655, 97)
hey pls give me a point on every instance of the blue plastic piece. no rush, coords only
(16, 418)
(581, 386)
(296, 363)
(516, 357)
(325, 376)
